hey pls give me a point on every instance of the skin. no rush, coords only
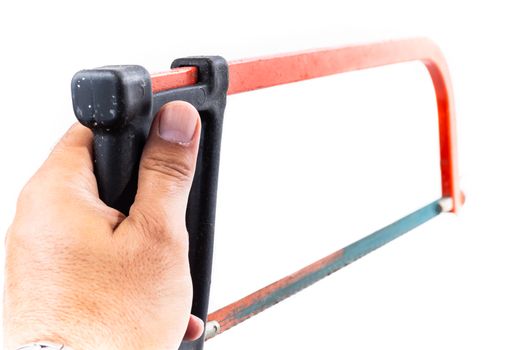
(82, 274)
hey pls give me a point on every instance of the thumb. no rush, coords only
(168, 164)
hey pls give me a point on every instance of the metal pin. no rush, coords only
(212, 329)
(446, 204)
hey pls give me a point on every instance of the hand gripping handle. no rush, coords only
(117, 103)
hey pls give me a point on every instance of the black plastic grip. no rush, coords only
(117, 103)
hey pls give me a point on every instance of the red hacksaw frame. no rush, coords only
(257, 73)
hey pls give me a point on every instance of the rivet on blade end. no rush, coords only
(212, 329)
(446, 204)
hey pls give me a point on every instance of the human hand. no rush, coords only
(82, 274)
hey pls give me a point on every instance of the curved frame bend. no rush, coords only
(257, 73)
(252, 74)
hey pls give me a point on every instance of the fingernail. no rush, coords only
(201, 322)
(177, 123)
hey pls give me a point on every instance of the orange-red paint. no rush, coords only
(226, 316)
(175, 78)
(266, 297)
(257, 73)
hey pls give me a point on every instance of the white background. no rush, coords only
(309, 167)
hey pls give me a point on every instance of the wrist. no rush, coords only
(72, 339)
(43, 346)
(75, 338)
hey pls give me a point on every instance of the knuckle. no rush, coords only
(161, 231)
(179, 168)
(27, 193)
(30, 193)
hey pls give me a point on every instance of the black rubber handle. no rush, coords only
(117, 103)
